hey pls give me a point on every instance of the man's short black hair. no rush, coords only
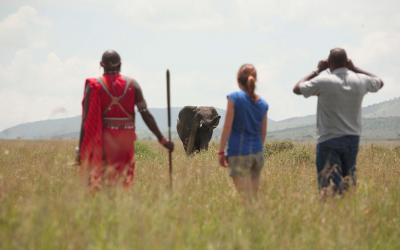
(111, 61)
(338, 57)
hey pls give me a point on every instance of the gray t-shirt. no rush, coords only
(340, 94)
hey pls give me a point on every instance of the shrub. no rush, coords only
(143, 151)
(277, 147)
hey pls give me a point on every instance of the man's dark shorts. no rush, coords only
(336, 160)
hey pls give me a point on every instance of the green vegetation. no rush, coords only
(45, 204)
(143, 151)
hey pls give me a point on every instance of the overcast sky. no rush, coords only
(48, 48)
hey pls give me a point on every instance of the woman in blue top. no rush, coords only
(245, 130)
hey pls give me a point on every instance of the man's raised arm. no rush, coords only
(322, 65)
(352, 67)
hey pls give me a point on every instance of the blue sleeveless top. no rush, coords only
(245, 137)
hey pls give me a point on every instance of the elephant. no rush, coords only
(195, 127)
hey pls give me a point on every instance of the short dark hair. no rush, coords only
(111, 61)
(338, 57)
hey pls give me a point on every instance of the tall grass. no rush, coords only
(44, 204)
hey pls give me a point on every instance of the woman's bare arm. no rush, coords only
(264, 128)
(230, 111)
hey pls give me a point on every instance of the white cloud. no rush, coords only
(34, 89)
(171, 15)
(379, 53)
(17, 107)
(24, 29)
(41, 79)
(378, 47)
(356, 15)
(187, 87)
(283, 103)
(48, 76)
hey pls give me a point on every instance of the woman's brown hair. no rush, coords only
(247, 77)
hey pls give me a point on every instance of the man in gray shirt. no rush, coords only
(340, 87)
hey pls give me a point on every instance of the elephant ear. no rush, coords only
(193, 131)
(216, 117)
(184, 124)
(215, 121)
(187, 113)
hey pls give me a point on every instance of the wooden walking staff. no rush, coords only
(169, 128)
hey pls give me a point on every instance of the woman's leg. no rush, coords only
(255, 183)
(257, 166)
(244, 185)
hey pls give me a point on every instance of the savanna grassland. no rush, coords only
(45, 204)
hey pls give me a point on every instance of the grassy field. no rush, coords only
(45, 205)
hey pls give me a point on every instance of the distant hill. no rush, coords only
(384, 109)
(388, 108)
(380, 121)
(43, 129)
(381, 128)
(70, 127)
(292, 123)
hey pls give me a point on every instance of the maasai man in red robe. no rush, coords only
(106, 146)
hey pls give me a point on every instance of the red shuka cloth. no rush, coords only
(102, 146)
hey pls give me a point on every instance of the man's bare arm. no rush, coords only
(151, 123)
(322, 65)
(226, 131)
(352, 67)
(264, 128)
(296, 88)
(149, 120)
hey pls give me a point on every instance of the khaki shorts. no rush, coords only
(246, 165)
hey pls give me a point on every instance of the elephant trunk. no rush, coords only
(193, 133)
